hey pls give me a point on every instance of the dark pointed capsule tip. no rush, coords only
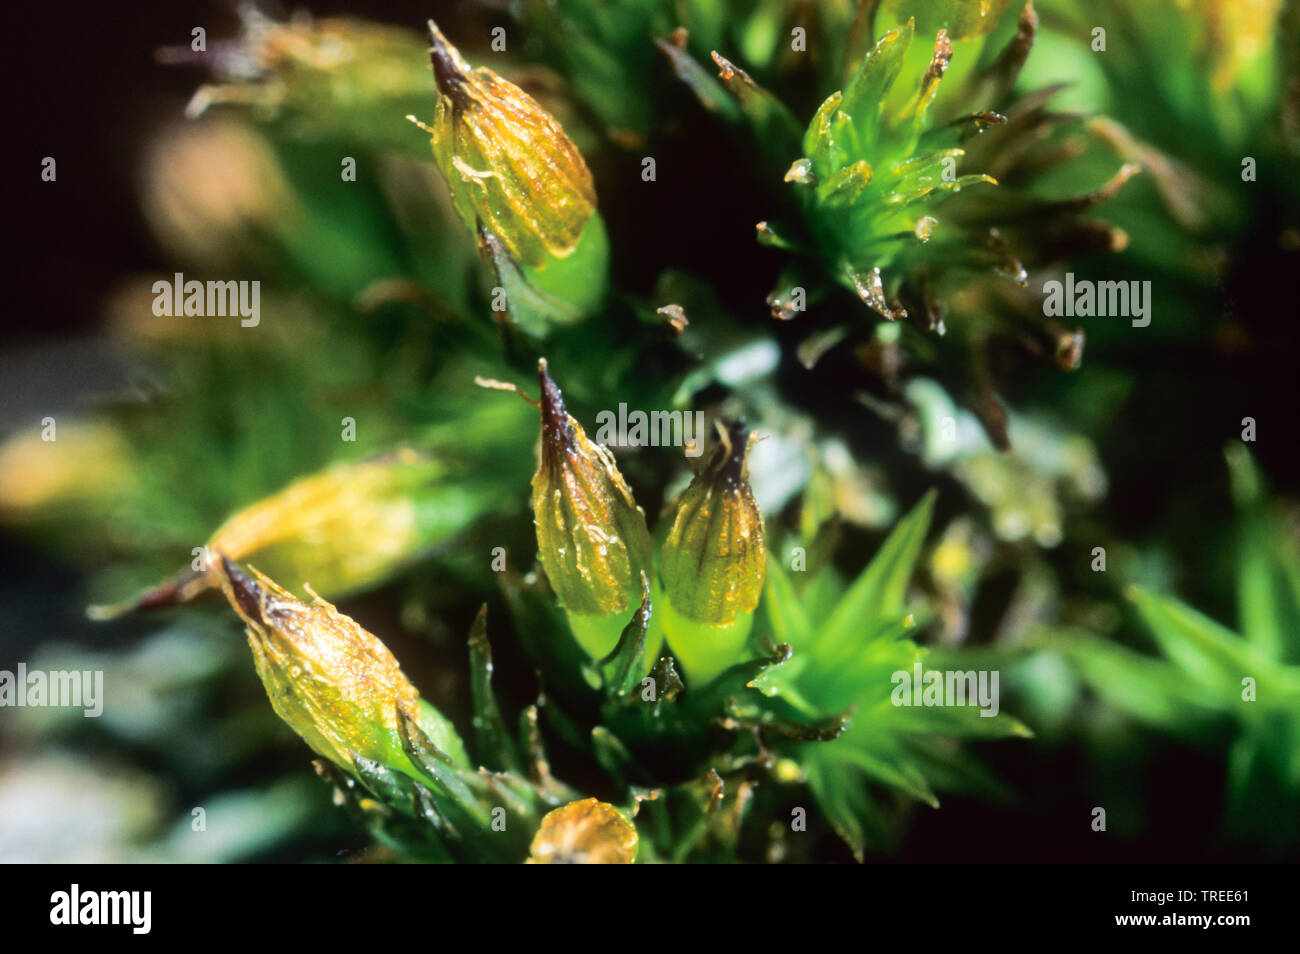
(229, 567)
(449, 69)
(555, 420)
(550, 392)
(729, 457)
(727, 468)
(248, 594)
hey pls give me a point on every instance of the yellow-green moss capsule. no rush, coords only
(333, 682)
(344, 529)
(713, 561)
(520, 185)
(588, 832)
(591, 535)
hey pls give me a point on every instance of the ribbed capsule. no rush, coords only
(333, 682)
(714, 559)
(342, 528)
(508, 163)
(588, 832)
(345, 528)
(591, 535)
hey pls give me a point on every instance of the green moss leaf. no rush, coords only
(876, 596)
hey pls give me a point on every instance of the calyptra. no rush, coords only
(714, 561)
(521, 187)
(333, 682)
(591, 535)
